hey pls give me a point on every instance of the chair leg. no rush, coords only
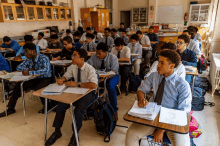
(119, 91)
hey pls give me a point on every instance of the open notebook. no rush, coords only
(53, 89)
(15, 76)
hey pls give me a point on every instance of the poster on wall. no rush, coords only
(85, 15)
(103, 17)
(107, 23)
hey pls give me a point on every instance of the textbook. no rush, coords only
(53, 89)
(190, 68)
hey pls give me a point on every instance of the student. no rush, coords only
(9, 44)
(192, 44)
(170, 91)
(35, 64)
(83, 37)
(68, 33)
(188, 57)
(137, 49)
(76, 37)
(85, 77)
(80, 30)
(179, 70)
(98, 36)
(108, 40)
(154, 41)
(4, 64)
(89, 46)
(123, 53)
(54, 44)
(197, 35)
(53, 32)
(193, 34)
(67, 50)
(122, 27)
(124, 37)
(102, 59)
(147, 50)
(21, 54)
(114, 34)
(42, 43)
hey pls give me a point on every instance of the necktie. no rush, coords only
(159, 95)
(103, 65)
(132, 50)
(34, 63)
(106, 41)
(119, 53)
(79, 75)
(88, 47)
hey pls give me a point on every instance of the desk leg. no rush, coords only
(74, 125)
(3, 90)
(22, 95)
(194, 78)
(45, 124)
(10, 65)
(54, 80)
(105, 89)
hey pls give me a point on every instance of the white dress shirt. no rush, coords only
(125, 52)
(41, 43)
(83, 38)
(145, 41)
(194, 46)
(99, 36)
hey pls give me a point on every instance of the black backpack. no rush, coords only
(198, 99)
(105, 119)
(134, 82)
(202, 83)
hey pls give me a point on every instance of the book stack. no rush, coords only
(53, 89)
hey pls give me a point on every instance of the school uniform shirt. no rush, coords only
(21, 52)
(13, 45)
(4, 64)
(41, 43)
(64, 35)
(145, 41)
(177, 93)
(115, 37)
(188, 57)
(198, 37)
(42, 66)
(194, 46)
(126, 39)
(58, 45)
(153, 37)
(179, 70)
(99, 36)
(137, 50)
(83, 38)
(110, 61)
(125, 52)
(66, 53)
(92, 46)
(110, 42)
(88, 73)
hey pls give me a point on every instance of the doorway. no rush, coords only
(125, 16)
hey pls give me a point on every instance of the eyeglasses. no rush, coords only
(180, 43)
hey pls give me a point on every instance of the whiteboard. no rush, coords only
(169, 14)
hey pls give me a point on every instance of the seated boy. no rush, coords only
(54, 44)
(170, 91)
(68, 33)
(76, 37)
(123, 53)
(85, 77)
(179, 70)
(114, 34)
(98, 36)
(83, 37)
(188, 57)
(147, 50)
(53, 32)
(42, 43)
(9, 44)
(35, 64)
(154, 41)
(108, 40)
(89, 46)
(137, 49)
(124, 37)
(3, 65)
(122, 27)
(102, 59)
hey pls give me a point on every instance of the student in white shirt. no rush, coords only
(68, 33)
(98, 36)
(42, 43)
(89, 45)
(147, 50)
(180, 69)
(124, 37)
(83, 37)
(107, 39)
(114, 34)
(123, 53)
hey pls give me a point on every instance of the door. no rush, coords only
(94, 20)
(125, 17)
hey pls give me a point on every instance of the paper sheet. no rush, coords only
(172, 116)
(19, 78)
(11, 75)
(54, 88)
(105, 73)
(76, 90)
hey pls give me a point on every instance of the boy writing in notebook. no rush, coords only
(54, 44)
(89, 46)
(170, 91)
(85, 77)
(9, 44)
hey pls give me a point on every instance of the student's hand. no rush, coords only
(158, 135)
(18, 58)
(25, 72)
(141, 102)
(60, 81)
(71, 83)
(47, 49)
(54, 59)
(2, 48)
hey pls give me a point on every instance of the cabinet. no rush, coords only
(139, 15)
(7, 13)
(199, 13)
(48, 13)
(31, 13)
(20, 13)
(62, 13)
(68, 13)
(56, 13)
(39, 13)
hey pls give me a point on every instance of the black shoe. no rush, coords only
(53, 138)
(41, 111)
(73, 141)
(9, 111)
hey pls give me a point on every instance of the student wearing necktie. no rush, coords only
(89, 46)
(170, 91)
(123, 54)
(114, 34)
(124, 37)
(102, 59)
(107, 39)
(40, 41)
(85, 77)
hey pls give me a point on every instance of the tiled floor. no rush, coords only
(13, 131)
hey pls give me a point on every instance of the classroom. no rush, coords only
(109, 73)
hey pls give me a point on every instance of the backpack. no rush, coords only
(105, 119)
(198, 99)
(203, 83)
(134, 82)
(194, 130)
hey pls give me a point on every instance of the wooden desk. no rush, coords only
(49, 52)
(194, 74)
(10, 59)
(156, 124)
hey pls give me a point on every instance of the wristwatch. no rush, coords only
(79, 84)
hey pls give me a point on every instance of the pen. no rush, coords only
(59, 75)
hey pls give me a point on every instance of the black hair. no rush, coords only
(90, 35)
(151, 27)
(107, 29)
(6, 39)
(185, 38)
(80, 29)
(29, 46)
(82, 53)
(95, 32)
(172, 56)
(54, 36)
(189, 31)
(123, 31)
(68, 39)
(196, 29)
(68, 31)
(88, 28)
(122, 23)
(52, 30)
(114, 30)
(102, 46)
(139, 32)
(169, 45)
(135, 37)
(28, 38)
(41, 34)
(189, 27)
(76, 34)
(119, 42)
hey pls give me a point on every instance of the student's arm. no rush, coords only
(90, 61)
(156, 39)
(60, 56)
(181, 71)
(82, 39)
(139, 51)
(46, 68)
(192, 61)
(25, 65)
(196, 49)
(114, 64)
(15, 46)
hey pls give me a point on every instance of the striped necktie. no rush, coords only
(119, 52)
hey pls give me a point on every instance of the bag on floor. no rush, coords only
(105, 119)
(198, 99)
(202, 83)
(202, 64)
(134, 82)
